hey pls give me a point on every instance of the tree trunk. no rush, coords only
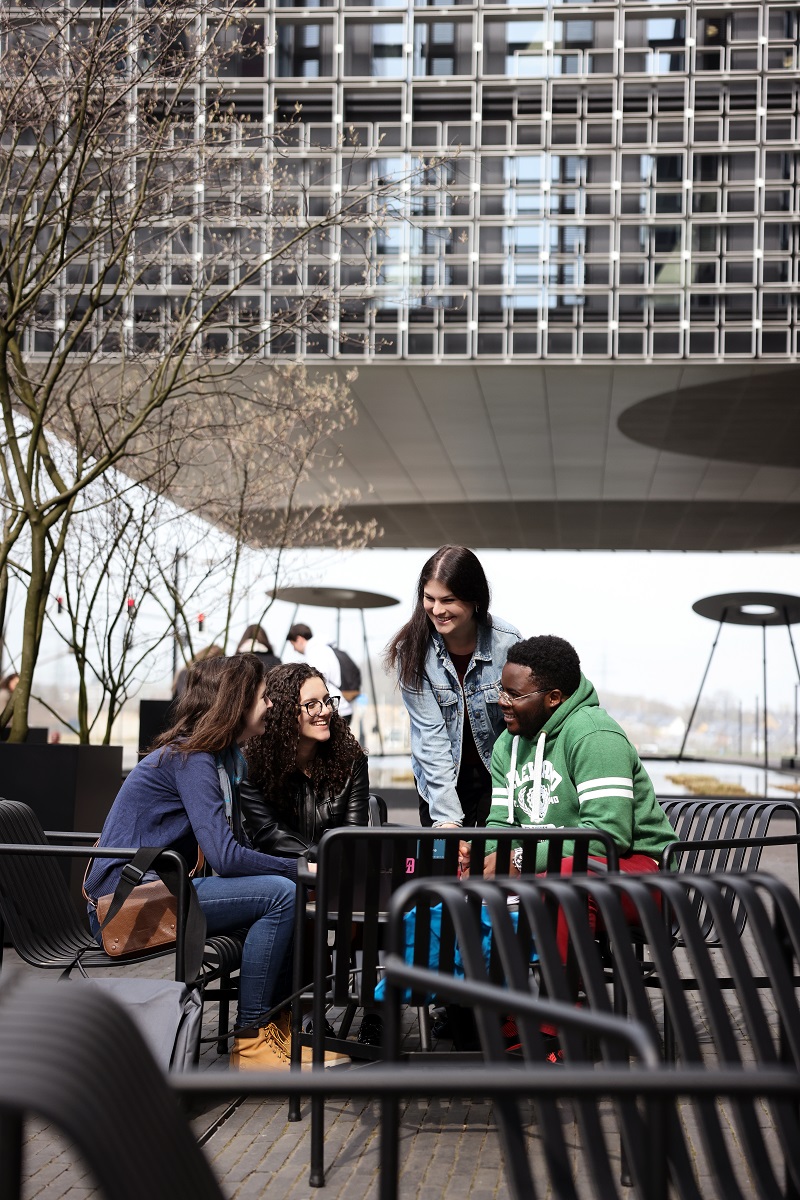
(31, 633)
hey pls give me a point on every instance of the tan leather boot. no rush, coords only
(264, 1052)
(284, 1035)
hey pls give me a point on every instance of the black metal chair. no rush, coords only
(88, 1073)
(726, 836)
(711, 1034)
(79, 1062)
(357, 872)
(40, 918)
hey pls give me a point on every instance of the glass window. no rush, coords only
(585, 34)
(706, 168)
(782, 25)
(712, 29)
(305, 50)
(777, 236)
(565, 168)
(705, 238)
(495, 171)
(525, 239)
(744, 27)
(657, 33)
(442, 48)
(528, 168)
(666, 238)
(741, 166)
(669, 168)
(241, 46)
(374, 49)
(514, 48)
(389, 240)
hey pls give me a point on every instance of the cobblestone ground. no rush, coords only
(449, 1150)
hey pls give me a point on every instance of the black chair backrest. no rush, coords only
(492, 1002)
(700, 821)
(359, 869)
(729, 836)
(35, 904)
(75, 1058)
(745, 1012)
(742, 1032)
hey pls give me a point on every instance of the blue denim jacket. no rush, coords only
(436, 712)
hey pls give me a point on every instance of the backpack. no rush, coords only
(350, 685)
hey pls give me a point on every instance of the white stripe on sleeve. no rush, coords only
(600, 793)
(606, 781)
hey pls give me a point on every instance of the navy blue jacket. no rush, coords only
(174, 800)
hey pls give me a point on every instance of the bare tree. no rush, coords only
(109, 572)
(131, 285)
(120, 596)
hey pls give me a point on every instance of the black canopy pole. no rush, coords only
(291, 623)
(791, 641)
(371, 681)
(764, 667)
(702, 685)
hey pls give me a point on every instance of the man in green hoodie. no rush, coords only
(563, 761)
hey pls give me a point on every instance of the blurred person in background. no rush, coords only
(255, 641)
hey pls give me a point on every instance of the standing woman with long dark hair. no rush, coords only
(448, 657)
(185, 794)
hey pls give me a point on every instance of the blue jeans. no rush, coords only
(264, 904)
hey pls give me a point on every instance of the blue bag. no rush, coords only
(409, 930)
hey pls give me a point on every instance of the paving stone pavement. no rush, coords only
(449, 1150)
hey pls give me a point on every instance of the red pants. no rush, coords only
(636, 864)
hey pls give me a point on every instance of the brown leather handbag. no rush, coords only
(146, 921)
(140, 918)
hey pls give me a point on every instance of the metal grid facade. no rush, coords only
(624, 185)
(623, 180)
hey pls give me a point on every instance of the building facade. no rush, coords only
(620, 180)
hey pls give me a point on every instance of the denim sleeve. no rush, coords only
(432, 752)
(197, 783)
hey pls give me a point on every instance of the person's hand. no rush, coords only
(464, 849)
(448, 825)
(312, 867)
(489, 865)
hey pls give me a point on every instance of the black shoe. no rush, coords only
(308, 1027)
(440, 1025)
(371, 1031)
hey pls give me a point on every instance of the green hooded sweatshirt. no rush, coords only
(582, 772)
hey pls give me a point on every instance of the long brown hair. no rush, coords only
(256, 635)
(213, 709)
(460, 571)
(272, 758)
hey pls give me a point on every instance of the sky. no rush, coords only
(629, 615)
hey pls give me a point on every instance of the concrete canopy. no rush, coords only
(607, 456)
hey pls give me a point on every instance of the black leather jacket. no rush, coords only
(269, 832)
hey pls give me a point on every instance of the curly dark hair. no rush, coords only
(272, 759)
(553, 662)
(458, 569)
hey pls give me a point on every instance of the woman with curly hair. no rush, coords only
(307, 773)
